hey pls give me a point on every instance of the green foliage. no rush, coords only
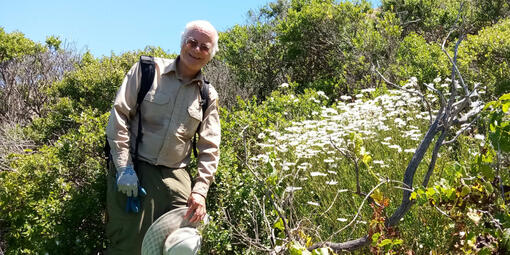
(54, 124)
(476, 190)
(15, 45)
(253, 55)
(95, 82)
(27, 68)
(332, 46)
(53, 200)
(324, 45)
(425, 61)
(433, 19)
(487, 58)
(91, 86)
(471, 193)
(498, 116)
(53, 42)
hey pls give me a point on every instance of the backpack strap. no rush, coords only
(148, 69)
(204, 102)
(147, 65)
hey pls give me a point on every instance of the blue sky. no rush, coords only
(105, 26)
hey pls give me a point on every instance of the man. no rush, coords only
(171, 114)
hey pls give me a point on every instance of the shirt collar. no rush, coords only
(173, 68)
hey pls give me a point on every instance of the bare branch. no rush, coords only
(498, 152)
(349, 155)
(243, 236)
(453, 61)
(345, 246)
(360, 207)
(442, 212)
(410, 22)
(352, 244)
(411, 170)
(432, 163)
(461, 131)
(272, 194)
(441, 96)
(332, 203)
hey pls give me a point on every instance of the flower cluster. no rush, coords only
(395, 113)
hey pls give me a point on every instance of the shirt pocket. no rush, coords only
(154, 109)
(191, 120)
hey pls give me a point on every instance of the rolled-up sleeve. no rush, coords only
(208, 146)
(124, 107)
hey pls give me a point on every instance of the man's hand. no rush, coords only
(127, 181)
(196, 204)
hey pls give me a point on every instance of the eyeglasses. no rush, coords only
(191, 42)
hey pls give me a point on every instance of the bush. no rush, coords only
(425, 61)
(253, 57)
(486, 58)
(333, 46)
(433, 19)
(52, 202)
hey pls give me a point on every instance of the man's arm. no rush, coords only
(208, 157)
(117, 131)
(208, 146)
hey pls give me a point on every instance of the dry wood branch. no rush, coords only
(359, 208)
(501, 187)
(441, 96)
(345, 246)
(266, 220)
(276, 205)
(352, 244)
(244, 238)
(352, 157)
(462, 130)
(12, 141)
(453, 61)
(331, 205)
(411, 170)
(432, 163)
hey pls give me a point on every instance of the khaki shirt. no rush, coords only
(171, 113)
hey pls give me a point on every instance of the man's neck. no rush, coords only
(185, 73)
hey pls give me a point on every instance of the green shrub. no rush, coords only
(53, 199)
(254, 58)
(433, 19)
(486, 58)
(425, 61)
(332, 46)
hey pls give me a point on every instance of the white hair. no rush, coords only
(201, 24)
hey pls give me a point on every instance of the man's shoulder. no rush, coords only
(164, 61)
(164, 64)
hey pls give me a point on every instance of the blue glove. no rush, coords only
(127, 181)
(133, 203)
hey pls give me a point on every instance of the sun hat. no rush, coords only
(172, 234)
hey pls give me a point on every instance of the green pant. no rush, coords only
(167, 189)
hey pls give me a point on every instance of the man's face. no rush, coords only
(197, 49)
